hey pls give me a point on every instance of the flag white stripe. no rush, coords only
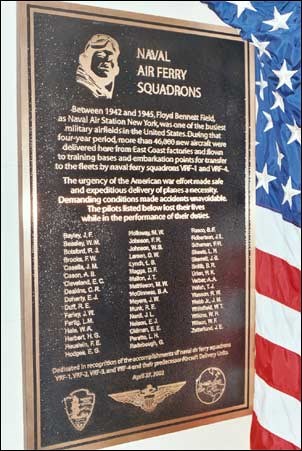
(278, 412)
(278, 323)
(278, 237)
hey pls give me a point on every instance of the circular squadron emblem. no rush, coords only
(210, 385)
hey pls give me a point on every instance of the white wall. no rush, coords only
(227, 435)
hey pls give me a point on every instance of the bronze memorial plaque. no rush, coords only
(136, 187)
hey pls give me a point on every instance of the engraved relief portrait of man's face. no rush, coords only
(98, 65)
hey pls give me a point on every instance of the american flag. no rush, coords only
(274, 29)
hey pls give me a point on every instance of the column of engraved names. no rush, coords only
(206, 297)
(81, 292)
(146, 288)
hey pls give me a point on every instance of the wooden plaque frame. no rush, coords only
(29, 220)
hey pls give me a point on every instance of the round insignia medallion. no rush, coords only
(210, 385)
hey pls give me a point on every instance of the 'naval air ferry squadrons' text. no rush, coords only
(148, 70)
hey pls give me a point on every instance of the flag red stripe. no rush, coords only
(261, 438)
(278, 280)
(278, 367)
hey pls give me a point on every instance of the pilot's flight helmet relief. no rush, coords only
(98, 65)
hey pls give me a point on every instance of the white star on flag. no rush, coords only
(285, 76)
(269, 124)
(261, 46)
(295, 133)
(289, 192)
(279, 20)
(278, 101)
(263, 84)
(241, 6)
(280, 156)
(264, 179)
(256, 106)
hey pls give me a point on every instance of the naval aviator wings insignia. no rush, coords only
(148, 398)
